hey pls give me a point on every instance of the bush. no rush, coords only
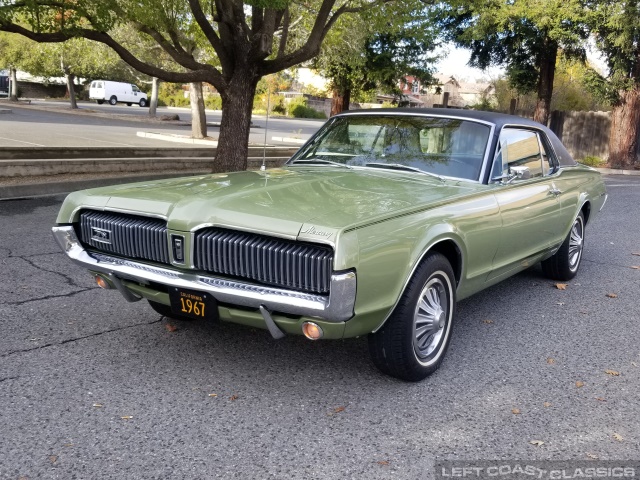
(175, 100)
(592, 161)
(213, 102)
(298, 108)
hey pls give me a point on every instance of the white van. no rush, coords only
(113, 92)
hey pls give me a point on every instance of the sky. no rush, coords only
(454, 62)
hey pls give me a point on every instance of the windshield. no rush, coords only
(443, 146)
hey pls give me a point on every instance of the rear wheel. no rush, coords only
(99, 102)
(113, 100)
(412, 343)
(128, 104)
(564, 264)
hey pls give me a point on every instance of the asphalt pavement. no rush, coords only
(52, 124)
(94, 387)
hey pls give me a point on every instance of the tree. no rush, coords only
(248, 41)
(365, 54)
(525, 36)
(616, 25)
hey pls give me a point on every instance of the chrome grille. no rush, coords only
(127, 235)
(264, 259)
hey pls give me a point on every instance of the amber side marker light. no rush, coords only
(102, 283)
(312, 331)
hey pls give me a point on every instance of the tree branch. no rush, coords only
(205, 73)
(210, 33)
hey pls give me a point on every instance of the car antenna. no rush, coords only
(266, 127)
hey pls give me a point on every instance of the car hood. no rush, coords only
(314, 203)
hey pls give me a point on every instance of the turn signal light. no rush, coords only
(312, 331)
(102, 283)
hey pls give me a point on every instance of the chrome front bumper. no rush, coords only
(336, 307)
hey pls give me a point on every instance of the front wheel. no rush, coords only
(564, 264)
(412, 343)
(113, 100)
(143, 102)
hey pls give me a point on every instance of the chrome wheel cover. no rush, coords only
(576, 243)
(432, 318)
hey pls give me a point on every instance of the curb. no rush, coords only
(14, 192)
(616, 171)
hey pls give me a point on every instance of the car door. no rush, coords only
(527, 198)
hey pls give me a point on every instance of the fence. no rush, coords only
(583, 133)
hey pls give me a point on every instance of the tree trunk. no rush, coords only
(233, 142)
(71, 90)
(625, 126)
(153, 104)
(198, 117)
(340, 101)
(545, 81)
(13, 78)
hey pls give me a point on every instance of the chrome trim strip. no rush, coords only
(336, 307)
(606, 197)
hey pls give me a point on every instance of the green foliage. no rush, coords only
(297, 107)
(593, 161)
(388, 105)
(213, 102)
(516, 34)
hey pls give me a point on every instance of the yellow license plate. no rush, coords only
(193, 304)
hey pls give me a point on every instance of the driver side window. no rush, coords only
(519, 151)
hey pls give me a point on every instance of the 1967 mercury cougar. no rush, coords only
(377, 226)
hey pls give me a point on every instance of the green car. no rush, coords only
(377, 226)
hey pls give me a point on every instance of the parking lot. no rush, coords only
(94, 387)
(51, 124)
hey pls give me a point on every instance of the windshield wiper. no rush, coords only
(399, 166)
(319, 161)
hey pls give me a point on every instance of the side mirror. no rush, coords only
(521, 173)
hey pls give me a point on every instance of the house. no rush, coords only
(461, 94)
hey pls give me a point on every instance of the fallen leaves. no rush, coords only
(561, 286)
(170, 328)
(537, 443)
(213, 394)
(515, 411)
(383, 462)
(618, 437)
(53, 458)
(233, 398)
(600, 399)
(612, 372)
(98, 405)
(636, 267)
(339, 409)
(127, 417)
(636, 254)
(611, 295)
(546, 404)
(488, 322)
(550, 361)
(579, 384)
(592, 455)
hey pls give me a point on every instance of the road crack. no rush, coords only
(48, 297)
(77, 339)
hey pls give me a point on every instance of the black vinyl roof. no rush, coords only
(498, 119)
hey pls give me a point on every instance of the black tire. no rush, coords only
(165, 311)
(564, 264)
(128, 104)
(143, 103)
(399, 348)
(113, 100)
(99, 102)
